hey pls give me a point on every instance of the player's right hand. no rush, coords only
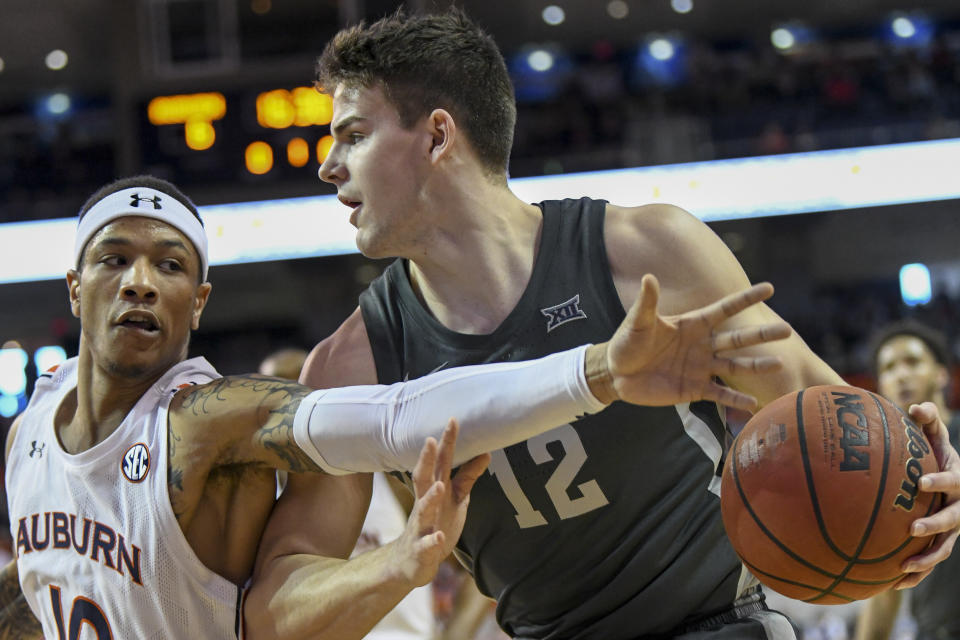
(440, 509)
(658, 360)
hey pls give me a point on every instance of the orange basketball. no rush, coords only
(819, 491)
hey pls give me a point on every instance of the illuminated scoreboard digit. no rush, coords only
(300, 107)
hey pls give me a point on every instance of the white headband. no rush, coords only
(149, 203)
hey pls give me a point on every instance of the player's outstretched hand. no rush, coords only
(440, 509)
(945, 523)
(658, 360)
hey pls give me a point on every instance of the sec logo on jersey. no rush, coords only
(136, 463)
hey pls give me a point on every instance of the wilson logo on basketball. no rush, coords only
(917, 447)
(136, 463)
(855, 433)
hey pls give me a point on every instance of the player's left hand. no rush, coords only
(657, 360)
(945, 523)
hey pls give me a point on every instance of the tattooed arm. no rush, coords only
(16, 619)
(248, 419)
(255, 419)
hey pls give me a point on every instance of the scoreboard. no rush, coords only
(213, 136)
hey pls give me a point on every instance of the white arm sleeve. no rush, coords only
(381, 427)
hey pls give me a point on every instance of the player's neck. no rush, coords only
(476, 269)
(99, 404)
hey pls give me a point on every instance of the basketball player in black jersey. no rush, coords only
(608, 528)
(912, 364)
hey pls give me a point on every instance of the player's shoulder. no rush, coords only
(343, 358)
(648, 237)
(655, 219)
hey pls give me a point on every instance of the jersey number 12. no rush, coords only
(560, 480)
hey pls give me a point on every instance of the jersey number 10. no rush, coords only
(83, 611)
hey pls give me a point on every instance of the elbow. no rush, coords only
(255, 616)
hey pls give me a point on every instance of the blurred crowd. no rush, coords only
(741, 101)
(601, 109)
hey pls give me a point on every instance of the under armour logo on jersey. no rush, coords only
(38, 450)
(136, 463)
(135, 201)
(564, 312)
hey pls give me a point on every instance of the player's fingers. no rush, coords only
(937, 552)
(468, 474)
(730, 305)
(729, 397)
(423, 471)
(927, 416)
(750, 336)
(945, 481)
(945, 520)
(723, 367)
(428, 544)
(643, 312)
(427, 507)
(911, 580)
(448, 443)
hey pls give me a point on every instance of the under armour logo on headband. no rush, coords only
(135, 201)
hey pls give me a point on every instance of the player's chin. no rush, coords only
(370, 245)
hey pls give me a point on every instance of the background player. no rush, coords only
(912, 364)
(608, 528)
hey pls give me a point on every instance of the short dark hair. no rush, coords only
(149, 181)
(935, 340)
(425, 62)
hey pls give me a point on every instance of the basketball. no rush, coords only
(819, 490)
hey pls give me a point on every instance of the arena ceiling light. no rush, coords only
(782, 38)
(681, 6)
(618, 9)
(553, 15)
(914, 29)
(660, 60)
(57, 104)
(56, 59)
(789, 37)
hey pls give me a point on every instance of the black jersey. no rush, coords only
(606, 528)
(933, 602)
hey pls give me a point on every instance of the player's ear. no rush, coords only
(199, 303)
(443, 132)
(73, 290)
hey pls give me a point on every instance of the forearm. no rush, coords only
(877, 616)
(315, 598)
(383, 428)
(17, 621)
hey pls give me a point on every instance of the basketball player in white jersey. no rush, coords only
(140, 482)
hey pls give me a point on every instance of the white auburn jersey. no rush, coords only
(99, 551)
